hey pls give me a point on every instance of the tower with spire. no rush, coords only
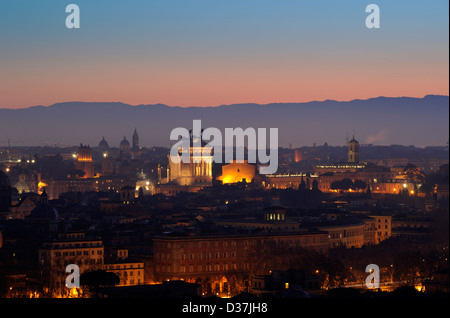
(353, 150)
(135, 140)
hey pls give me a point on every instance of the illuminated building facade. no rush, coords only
(394, 187)
(196, 172)
(383, 225)
(55, 188)
(130, 273)
(223, 264)
(237, 172)
(355, 232)
(344, 234)
(369, 230)
(69, 248)
(190, 176)
(289, 181)
(298, 155)
(381, 180)
(85, 162)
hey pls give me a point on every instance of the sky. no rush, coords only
(218, 52)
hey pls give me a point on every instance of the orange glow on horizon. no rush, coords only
(229, 83)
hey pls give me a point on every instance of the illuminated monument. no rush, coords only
(188, 176)
(237, 172)
(197, 172)
(85, 162)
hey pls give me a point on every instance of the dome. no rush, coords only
(43, 211)
(103, 144)
(4, 180)
(124, 142)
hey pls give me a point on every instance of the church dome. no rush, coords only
(124, 142)
(4, 180)
(43, 211)
(103, 144)
(125, 145)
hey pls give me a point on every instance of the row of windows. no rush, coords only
(74, 236)
(303, 240)
(206, 244)
(209, 244)
(209, 255)
(199, 255)
(346, 234)
(78, 253)
(201, 268)
(354, 243)
(85, 261)
(124, 266)
(132, 281)
(172, 192)
(131, 273)
(77, 245)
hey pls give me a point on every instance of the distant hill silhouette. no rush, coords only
(381, 121)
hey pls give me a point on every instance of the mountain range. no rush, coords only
(379, 121)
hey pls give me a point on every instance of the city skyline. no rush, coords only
(377, 121)
(224, 151)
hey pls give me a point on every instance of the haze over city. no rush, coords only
(380, 121)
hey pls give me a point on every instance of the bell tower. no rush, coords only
(353, 150)
(135, 140)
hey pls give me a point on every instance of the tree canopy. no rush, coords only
(94, 281)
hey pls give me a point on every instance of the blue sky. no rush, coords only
(180, 48)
